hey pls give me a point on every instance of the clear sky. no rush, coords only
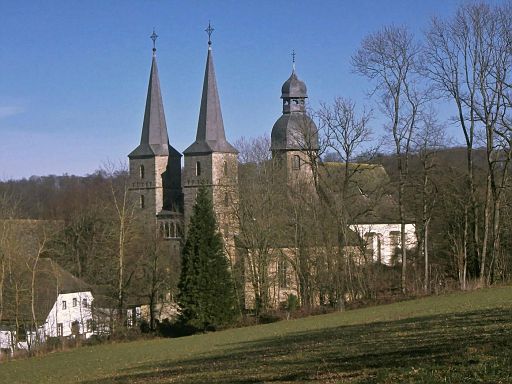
(73, 74)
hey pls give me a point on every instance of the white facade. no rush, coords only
(382, 240)
(71, 313)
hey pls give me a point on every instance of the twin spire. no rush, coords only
(210, 135)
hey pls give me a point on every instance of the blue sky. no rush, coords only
(74, 73)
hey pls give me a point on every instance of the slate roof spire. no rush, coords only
(210, 135)
(154, 140)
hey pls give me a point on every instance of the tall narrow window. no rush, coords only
(60, 329)
(225, 168)
(84, 303)
(226, 199)
(283, 273)
(64, 305)
(198, 168)
(296, 162)
(142, 202)
(75, 302)
(141, 171)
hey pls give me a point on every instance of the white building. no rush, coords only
(383, 241)
(61, 307)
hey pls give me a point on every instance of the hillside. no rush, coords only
(461, 337)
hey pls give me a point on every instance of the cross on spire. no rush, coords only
(293, 59)
(209, 31)
(153, 37)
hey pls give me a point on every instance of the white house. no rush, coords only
(60, 306)
(384, 240)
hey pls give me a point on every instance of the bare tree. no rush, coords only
(468, 59)
(428, 140)
(389, 59)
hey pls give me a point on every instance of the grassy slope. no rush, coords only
(462, 337)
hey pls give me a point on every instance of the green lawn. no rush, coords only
(456, 338)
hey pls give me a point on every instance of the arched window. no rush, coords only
(225, 168)
(142, 201)
(141, 171)
(198, 168)
(226, 199)
(296, 162)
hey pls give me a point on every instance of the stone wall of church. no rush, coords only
(146, 187)
(218, 171)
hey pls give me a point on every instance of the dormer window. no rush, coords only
(141, 171)
(198, 168)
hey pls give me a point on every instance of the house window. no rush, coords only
(225, 168)
(296, 162)
(141, 171)
(89, 325)
(64, 304)
(75, 302)
(142, 202)
(198, 168)
(84, 303)
(60, 329)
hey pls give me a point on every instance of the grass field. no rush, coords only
(455, 338)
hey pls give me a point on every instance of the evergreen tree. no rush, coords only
(206, 292)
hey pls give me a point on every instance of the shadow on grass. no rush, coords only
(457, 343)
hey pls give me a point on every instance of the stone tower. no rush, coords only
(212, 161)
(294, 138)
(155, 166)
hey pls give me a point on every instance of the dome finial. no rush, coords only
(209, 31)
(293, 59)
(153, 37)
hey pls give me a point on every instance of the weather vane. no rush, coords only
(153, 37)
(209, 31)
(293, 59)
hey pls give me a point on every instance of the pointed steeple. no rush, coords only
(154, 140)
(210, 135)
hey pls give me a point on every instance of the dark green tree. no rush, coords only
(206, 292)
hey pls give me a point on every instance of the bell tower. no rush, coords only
(155, 166)
(294, 138)
(212, 161)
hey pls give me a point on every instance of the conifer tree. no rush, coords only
(206, 292)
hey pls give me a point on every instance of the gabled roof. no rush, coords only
(210, 135)
(50, 281)
(154, 140)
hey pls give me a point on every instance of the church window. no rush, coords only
(286, 102)
(296, 162)
(141, 171)
(198, 168)
(282, 270)
(142, 202)
(295, 101)
(225, 168)
(226, 199)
